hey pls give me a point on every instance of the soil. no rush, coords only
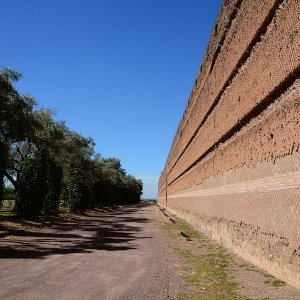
(251, 282)
(257, 284)
(99, 255)
(112, 254)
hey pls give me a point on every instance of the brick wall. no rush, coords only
(234, 166)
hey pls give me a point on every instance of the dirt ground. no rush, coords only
(134, 252)
(99, 255)
(201, 256)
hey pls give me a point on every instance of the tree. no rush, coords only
(45, 161)
(32, 187)
(37, 146)
(15, 117)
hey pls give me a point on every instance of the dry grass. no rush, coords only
(206, 270)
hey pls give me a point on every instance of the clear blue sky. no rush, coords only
(120, 71)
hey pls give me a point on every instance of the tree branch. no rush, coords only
(19, 151)
(11, 179)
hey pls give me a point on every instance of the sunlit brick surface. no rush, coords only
(234, 165)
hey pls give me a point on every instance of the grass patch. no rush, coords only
(6, 209)
(181, 225)
(7, 214)
(208, 276)
(64, 209)
(205, 273)
(8, 204)
(269, 279)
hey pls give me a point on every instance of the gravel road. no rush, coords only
(100, 255)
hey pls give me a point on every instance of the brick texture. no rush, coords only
(234, 166)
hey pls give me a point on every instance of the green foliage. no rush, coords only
(269, 279)
(79, 194)
(15, 110)
(54, 184)
(32, 187)
(3, 163)
(1, 190)
(206, 271)
(111, 185)
(8, 193)
(73, 191)
(273, 280)
(45, 161)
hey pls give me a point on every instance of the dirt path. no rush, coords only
(132, 253)
(110, 255)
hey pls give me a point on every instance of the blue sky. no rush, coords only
(120, 71)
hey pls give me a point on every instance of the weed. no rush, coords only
(269, 279)
(206, 273)
(273, 280)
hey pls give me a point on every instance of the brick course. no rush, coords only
(234, 165)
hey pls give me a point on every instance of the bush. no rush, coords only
(73, 191)
(8, 193)
(54, 183)
(32, 187)
(3, 160)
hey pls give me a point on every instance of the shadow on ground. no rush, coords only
(92, 231)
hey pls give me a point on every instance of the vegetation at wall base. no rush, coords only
(207, 271)
(49, 165)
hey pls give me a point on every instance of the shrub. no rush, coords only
(32, 187)
(54, 183)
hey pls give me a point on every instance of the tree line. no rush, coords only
(49, 165)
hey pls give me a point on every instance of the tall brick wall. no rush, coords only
(234, 166)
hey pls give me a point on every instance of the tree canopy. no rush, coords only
(50, 165)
